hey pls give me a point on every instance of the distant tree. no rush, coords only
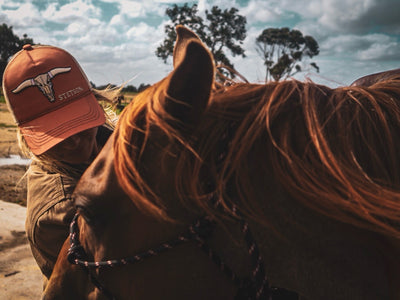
(125, 89)
(183, 15)
(283, 49)
(129, 89)
(105, 86)
(9, 45)
(224, 30)
(142, 87)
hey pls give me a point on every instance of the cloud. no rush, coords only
(142, 32)
(343, 16)
(171, 1)
(324, 17)
(367, 47)
(381, 52)
(24, 16)
(261, 11)
(117, 61)
(79, 28)
(133, 9)
(73, 11)
(139, 9)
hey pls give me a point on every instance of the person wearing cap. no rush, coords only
(62, 127)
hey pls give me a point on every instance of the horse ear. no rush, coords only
(183, 37)
(189, 85)
(376, 77)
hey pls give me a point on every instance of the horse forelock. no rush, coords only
(332, 149)
(132, 134)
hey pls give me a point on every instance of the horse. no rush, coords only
(282, 190)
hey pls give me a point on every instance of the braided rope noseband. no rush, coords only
(256, 287)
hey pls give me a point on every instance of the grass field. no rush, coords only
(127, 99)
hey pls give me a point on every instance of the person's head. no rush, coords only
(53, 104)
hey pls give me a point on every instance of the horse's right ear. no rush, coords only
(377, 77)
(189, 85)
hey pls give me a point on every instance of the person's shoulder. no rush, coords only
(38, 167)
(46, 169)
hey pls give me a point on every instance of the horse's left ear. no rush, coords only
(189, 85)
(183, 37)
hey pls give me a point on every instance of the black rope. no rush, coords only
(198, 231)
(257, 286)
(97, 284)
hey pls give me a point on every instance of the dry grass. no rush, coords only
(12, 188)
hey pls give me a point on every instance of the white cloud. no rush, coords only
(132, 9)
(78, 10)
(368, 47)
(116, 20)
(381, 51)
(24, 16)
(79, 28)
(345, 45)
(334, 15)
(345, 16)
(136, 9)
(169, 1)
(142, 32)
(261, 11)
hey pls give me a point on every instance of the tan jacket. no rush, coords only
(50, 209)
(49, 212)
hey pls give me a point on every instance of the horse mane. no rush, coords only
(335, 150)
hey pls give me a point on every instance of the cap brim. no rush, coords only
(52, 128)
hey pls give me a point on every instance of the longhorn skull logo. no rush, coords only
(43, 82)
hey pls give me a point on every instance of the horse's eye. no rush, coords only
(93, 218)
(86, 214)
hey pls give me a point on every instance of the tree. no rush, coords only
(142, 87)
(9, 45)
(129, 89)
(283, 49)
(225, 29)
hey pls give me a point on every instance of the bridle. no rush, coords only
(198, 231)
(254, 287)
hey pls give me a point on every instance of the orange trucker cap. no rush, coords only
(49, 96)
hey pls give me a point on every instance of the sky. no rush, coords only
(115, 40)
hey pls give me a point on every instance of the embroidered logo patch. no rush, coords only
(43, 82)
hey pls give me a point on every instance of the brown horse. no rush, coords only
(203, 189)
